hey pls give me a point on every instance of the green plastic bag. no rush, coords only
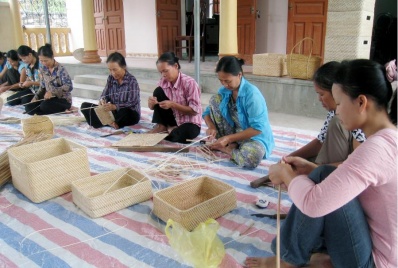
(201, 248)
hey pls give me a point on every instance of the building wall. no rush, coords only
(75, 22)
(140, 21)
(6, 29)
(271, 27)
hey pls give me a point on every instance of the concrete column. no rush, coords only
(90, 43)
(228, 44)
(16, 19)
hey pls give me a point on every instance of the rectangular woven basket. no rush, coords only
(349, 23)
(351, 5)
(45, 169)
(340, 48)
(269, 64)
(194, 201)
(111, 191)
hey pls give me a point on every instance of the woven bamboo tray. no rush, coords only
(269, 64)
(108, 192)
(194, 201)
(37, 124)
(45, 169)
(351, 23)
(351, 5)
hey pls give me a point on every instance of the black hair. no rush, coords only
(324, 76)
(25, 50)
(230, 64)
(2, 55)
(393, 111)
(118, 58)
(365, 77)
(12, 54)
(170, 58)
(46, 51)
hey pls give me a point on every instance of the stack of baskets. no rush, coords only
(269, 64)
(349, 29)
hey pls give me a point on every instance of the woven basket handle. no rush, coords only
(300, 42)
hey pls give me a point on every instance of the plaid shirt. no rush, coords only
(185, 92)
(58, 82)
(125, 95)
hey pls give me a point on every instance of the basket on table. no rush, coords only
(37, 124)
(194, 201)
(45, 169)
(302, 66)
(269, 64)
(111, 191)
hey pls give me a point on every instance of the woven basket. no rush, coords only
(37, 124)
(269, 64)
(302, 66)
(106, 117)
(45, 169)
(351, 5)
(351, 23)
(194, 201)
(108, 192)
(340, 48)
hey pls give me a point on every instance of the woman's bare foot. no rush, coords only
(170, 129)
(114, 125)
(320, 260)
(229, 148)
(260, 182)
(270, 262)
(158, 128)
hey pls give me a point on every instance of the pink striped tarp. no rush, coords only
(56, 233)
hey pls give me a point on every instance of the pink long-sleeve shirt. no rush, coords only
(370, 173)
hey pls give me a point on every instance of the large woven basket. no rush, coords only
(302, 66)
(37, 124)
(351, 5)
(351, 23)
(108, 192)
(45, 169)
(194, 201)
(269, 64)
(340, 48)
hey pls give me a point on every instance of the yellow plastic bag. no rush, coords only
(201, 248)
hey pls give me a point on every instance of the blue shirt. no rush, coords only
(33, 74)
(21, 66)
(252, 112)
(125, 95)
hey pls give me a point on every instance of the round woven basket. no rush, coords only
(37, 124)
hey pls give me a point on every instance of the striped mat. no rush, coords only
(56, 233)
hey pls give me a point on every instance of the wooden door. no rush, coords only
(109, 27)
(168, 22)
(307, 18)
(246, 29)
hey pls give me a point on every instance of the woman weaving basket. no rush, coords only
(54, 94)
(119, 104)
(238, 117)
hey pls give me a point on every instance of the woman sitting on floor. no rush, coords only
(3, 68)
(14, 76)
(334, 143)
(176, 102)
(238, 117)
(121, 96)
(351, 210)
(54, 94)
(32, 83)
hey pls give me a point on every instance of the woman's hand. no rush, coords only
(109, 106)
(300, 165)
(26, 84)
(211, 132)
(220, 143)
(152, 101)
(48, 95)
(166, 104)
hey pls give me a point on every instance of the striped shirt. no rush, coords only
(185, 92)
(125, 95)
(58, 82)
(33, 74)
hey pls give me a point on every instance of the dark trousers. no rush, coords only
(50, 106)
(123, 117)
(12, 76)
(166, 117)
(21, 97)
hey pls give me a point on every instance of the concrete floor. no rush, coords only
(276, 119)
